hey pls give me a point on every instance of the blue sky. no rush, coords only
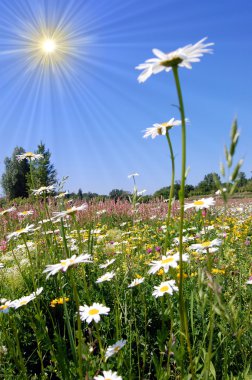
(89, 109)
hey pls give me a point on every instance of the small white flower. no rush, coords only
(44, 190)
(161, 129)
(107, 263)
(166, 262)
(1, 265)
(141, 192)
(70, 211)
(133, 175)
(61, 195)
(28, 228)
(201, 203)
(108, 375)
(106, 277)
(30, 156)
(111, 350)
(182, 57)
(92, 313)
(165, 287)
(249, 282)
(7, 211)
(25, 300)
(25, 213)
(65, 264)
(136, 282)
(210, 246)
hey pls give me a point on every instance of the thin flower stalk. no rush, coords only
(182, 308)
(171, 189)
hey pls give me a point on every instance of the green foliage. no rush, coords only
(14, 178)
(43, 171)
(119, 194)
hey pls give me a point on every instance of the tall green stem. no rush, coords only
(182, 309)
(171, 190)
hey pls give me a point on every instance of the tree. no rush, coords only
(242, 179)
(119, 194)
(208, 184)
(80, 194)
(43, 171)
(14, 179)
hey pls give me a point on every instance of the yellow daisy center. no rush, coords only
(198, 203)
(93, 312)
(3, 307)
(168, 260)
(29, 154)
(164, 288)
(206, 244)
(117, 348)
(23, 303)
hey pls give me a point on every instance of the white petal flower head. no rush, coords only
(166, 263)
(1, 265)
(70, 211)
(25, 213)
(201, 203)
(210, 246)
(182, 57)
(111, 350)
(249, 282)
(25, 230)
(136, 282)
(161, 129)
(65, 264)
(107, 263)
(133, 175)
(108, 375)
(44, 190)
(106, 277)
(92, 313)
(30, 156)
(25, 300)
(165, 287)
(3, 212)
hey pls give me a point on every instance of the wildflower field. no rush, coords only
(130, 290)
(94, 291)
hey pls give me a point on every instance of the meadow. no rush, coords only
(87, 291)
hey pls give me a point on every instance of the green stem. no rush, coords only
(182, 308)
(171, 190)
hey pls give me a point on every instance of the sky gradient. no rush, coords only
(89, 108)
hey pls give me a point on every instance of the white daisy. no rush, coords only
(165, 287)
(44, 190)
(25, 230)
(108, 375)
(25, 300)
(92, 313)
(133, 175)
(201, 203)
(107, 263)
(160, 129)
(25, 213)
(106, 277)
(65, 264)
(166, 262)
(182, 57)
(136, 282)
(30, 156)
(111, 350)
(249, 282)
(3, 212)
(211, 246)
(1, 265)
(70, 211)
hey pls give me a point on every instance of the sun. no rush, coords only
(49, 46)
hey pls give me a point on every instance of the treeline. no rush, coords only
(17, 181)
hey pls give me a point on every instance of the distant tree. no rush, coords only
(242, 179)
(14, 178)
(208, 184)
(80, 194)
(118, 194)
(43, 171)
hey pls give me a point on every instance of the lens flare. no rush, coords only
(49, 46)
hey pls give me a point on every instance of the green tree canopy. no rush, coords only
(43, 171)
(14, 178)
